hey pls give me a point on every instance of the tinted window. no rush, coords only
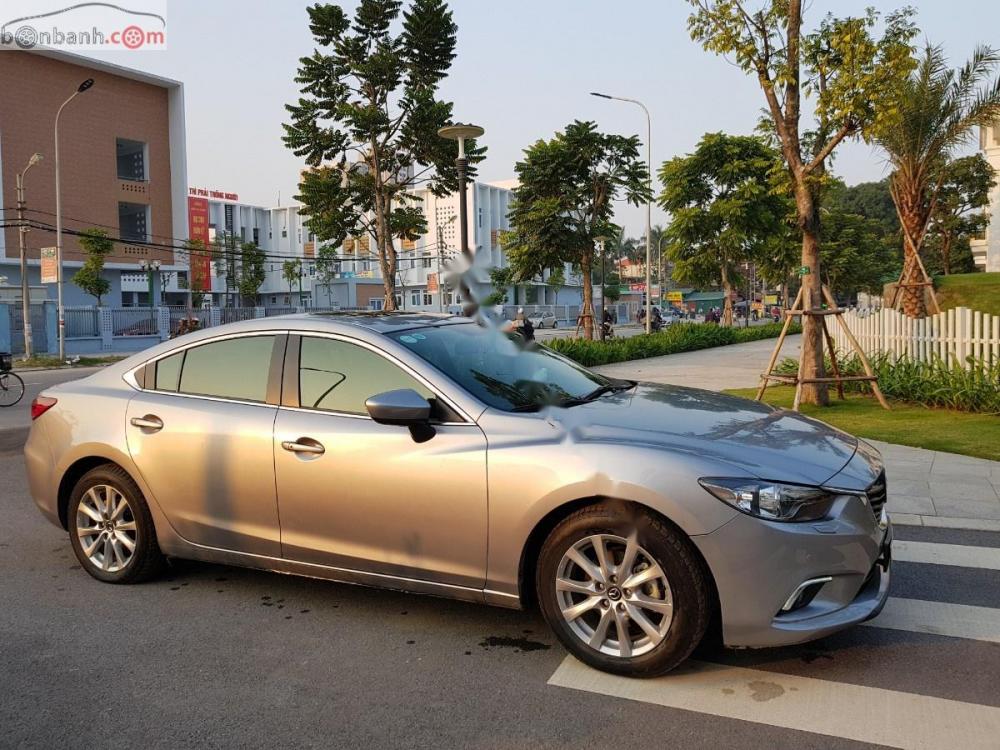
(338, 376)
(168, 372)
(234, 368)
(498, 368)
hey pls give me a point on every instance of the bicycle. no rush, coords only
(11, 385)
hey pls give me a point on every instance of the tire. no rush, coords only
(686, 587)
(104, 487)
(11, 388)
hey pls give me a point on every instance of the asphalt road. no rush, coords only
(211, 656)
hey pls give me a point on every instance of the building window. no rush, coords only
(256, 236)
(428, 300)
(425, 262)
(133, 220)
(415, 297)
(131, 157)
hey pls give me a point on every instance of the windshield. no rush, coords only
(498, 369)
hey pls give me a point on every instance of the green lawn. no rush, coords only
(980, 291)
(907, 424)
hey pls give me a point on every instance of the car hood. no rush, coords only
(769, 443)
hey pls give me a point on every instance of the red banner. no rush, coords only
(201, 264)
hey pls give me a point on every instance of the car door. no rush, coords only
(201, 435)
(366, 496)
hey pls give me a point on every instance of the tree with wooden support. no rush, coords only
(802, 307)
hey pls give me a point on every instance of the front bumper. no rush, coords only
(758, 564)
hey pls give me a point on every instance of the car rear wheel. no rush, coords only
(111, 529)
(623, 590)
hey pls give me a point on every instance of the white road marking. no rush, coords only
(940, 618)
(987, 558)
(835, 709)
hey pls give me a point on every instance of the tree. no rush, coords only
(724, 210)
(252, 271)
(937, 111)
(291, 271)
(856, 254)
(846, 69)
(367, 122)
(959, 210)
(96, 245)
(500, 279)
(327, 263)
(564, 202)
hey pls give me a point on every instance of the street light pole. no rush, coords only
(649, 203)
(59, 254)
(22, 233)
(460, 132)
(604, 281)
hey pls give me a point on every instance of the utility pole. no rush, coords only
(440, 234)
(604, 282)
(22, 235)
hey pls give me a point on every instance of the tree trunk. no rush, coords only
(812, 333)
(912, 279)
(910, 206)
(946, 254)
(587, 311)
(727, 301)
(386, 253)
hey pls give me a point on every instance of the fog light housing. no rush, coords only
(804, 593)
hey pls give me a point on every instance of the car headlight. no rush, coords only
(772, 501)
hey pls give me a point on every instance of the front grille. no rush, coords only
(877, 494)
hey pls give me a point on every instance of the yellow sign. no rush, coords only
(675, 296)
(770, 299)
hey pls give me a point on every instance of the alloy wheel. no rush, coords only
(106, 526)
(614, 596)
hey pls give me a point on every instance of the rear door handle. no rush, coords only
(304, 445)
(149, 422)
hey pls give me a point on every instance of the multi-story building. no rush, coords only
(122, 169)
(986, 249)
(423, 263)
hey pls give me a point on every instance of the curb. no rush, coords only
(945, 522)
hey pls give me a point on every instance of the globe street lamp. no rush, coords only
(22, 233)
(461, 132)
(59, 256)
(649, 203)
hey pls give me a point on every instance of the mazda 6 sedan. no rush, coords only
(439, 456)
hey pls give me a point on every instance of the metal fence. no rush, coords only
(236, 314)
(134, 321)
(272, 311)
(39, 337)
(82, 322)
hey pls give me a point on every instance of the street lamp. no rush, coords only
(460, 132)
(22, 243)
(649, 203)
(150, 267)
(59, 256)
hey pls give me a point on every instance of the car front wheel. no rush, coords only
(623, 590)
(111, 529)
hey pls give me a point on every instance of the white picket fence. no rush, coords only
(952, 336)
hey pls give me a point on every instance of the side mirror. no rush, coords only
(404, 407)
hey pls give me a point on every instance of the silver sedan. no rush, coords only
(431, 454)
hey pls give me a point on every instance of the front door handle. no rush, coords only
(304, 445)
(149, 422)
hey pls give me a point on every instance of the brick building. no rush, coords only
(122, 165)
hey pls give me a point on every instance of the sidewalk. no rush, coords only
(926, 488)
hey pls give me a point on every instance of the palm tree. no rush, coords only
(938, 107)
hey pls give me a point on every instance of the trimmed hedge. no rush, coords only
(680, 337)
(935, 383)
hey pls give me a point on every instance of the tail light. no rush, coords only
(40, 405)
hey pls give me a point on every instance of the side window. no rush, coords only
(168, 372)
(338, 376)
(234, 368)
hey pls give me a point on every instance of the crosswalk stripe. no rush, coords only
(855, 712)
(940, 618)
(987, 558)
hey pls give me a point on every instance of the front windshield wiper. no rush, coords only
(595, 394)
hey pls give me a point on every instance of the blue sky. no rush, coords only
(523, 71)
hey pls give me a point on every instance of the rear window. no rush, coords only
(168, 372)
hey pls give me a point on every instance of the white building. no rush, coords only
(986, 250)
